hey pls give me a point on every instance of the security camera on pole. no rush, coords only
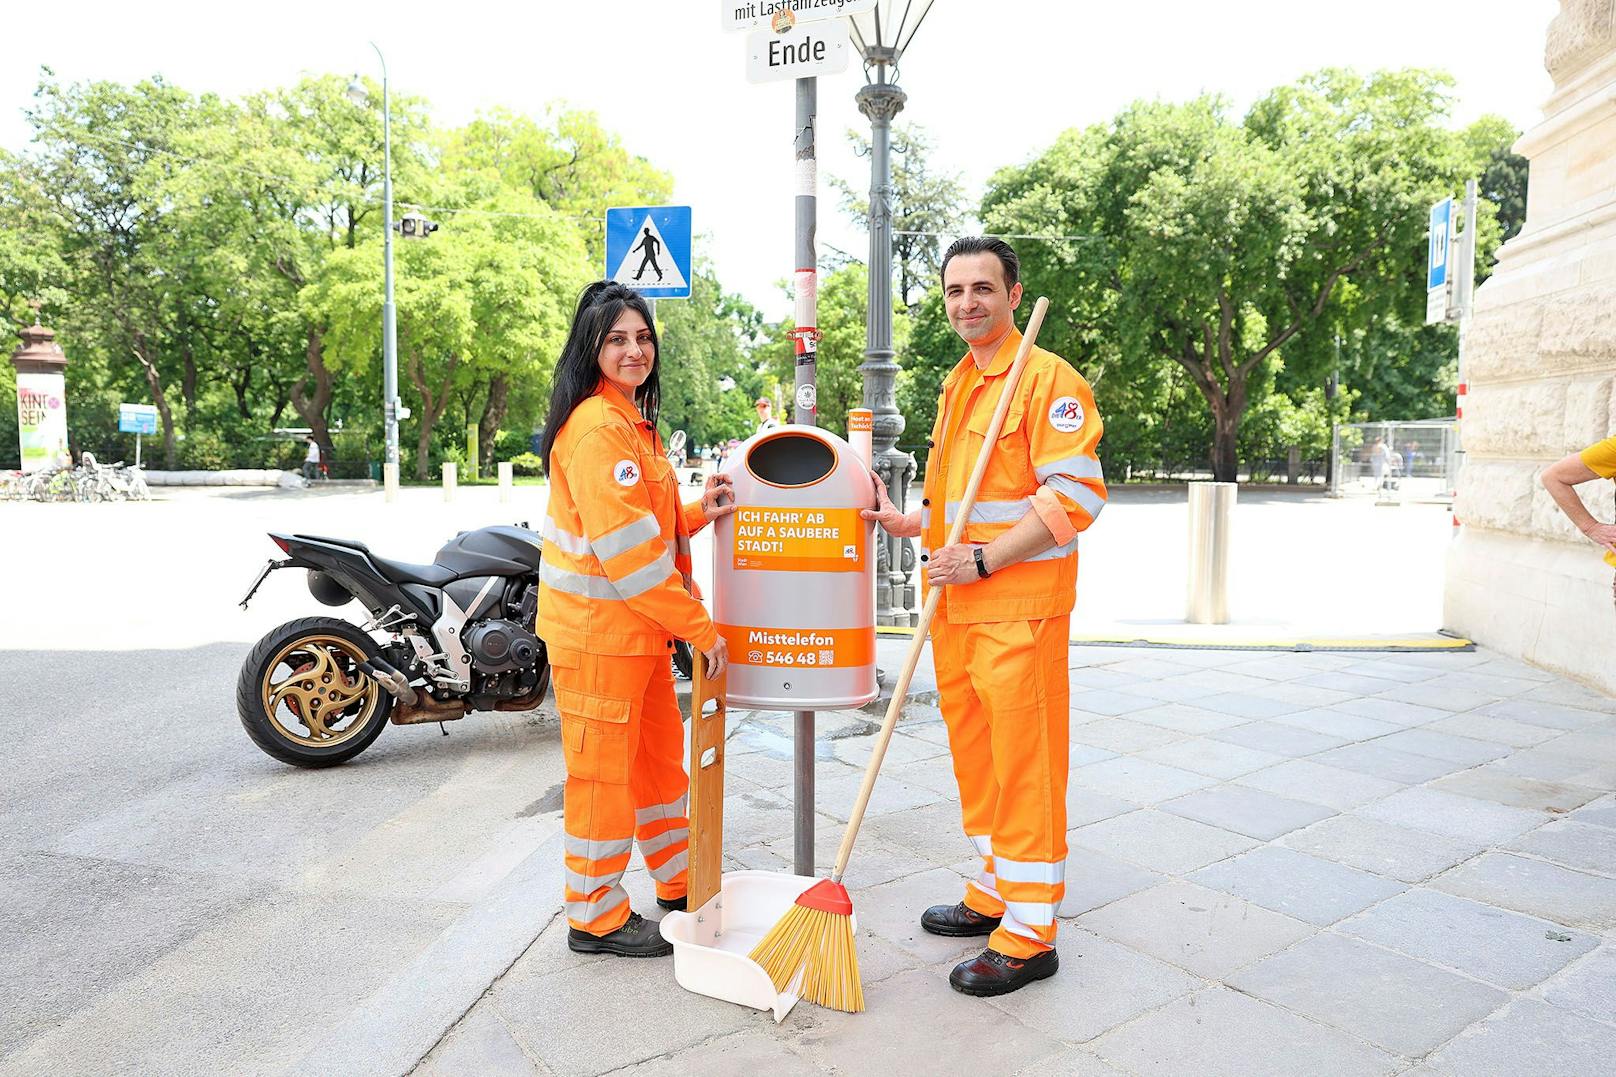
(796, 40)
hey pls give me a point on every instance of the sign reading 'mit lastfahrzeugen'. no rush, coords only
(751, 14)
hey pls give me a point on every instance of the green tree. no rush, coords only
(1226, 247)
(707, 342)
(926, 205)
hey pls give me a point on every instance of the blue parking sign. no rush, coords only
(648, 249)
(1436, 262)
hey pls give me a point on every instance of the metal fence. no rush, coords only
(1416, 461)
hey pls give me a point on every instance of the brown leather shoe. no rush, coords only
(957, 921)
(993, 973)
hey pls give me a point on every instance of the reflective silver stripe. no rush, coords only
(627, 537)
(992, 512)
(597, 849)
(925, 517)
(1029, 871)
(576, 583)
(588, 884)
(1030, 913)
(675, 836)
(1078, 467)
(674, 865)
(674, 809)
(1091, 502)
(1008, 922)
(642, 580)
(585, 911)
(986, 887)
(1055, 553)
(983, 843)
(576, 545)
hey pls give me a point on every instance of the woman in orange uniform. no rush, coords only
(615, 592)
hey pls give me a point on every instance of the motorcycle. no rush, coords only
(442, 640)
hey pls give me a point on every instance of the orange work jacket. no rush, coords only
(616, 573)
(1043, 461)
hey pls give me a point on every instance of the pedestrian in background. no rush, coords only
(615, 592)
(311, 460)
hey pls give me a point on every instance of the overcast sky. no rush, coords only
(993, 82)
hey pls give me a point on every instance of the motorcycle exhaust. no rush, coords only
(391, 679)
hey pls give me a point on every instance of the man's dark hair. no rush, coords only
(986, 245)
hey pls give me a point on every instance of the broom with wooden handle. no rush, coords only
(816, 934)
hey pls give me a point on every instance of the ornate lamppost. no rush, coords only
(881, 36)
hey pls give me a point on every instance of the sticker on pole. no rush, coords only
(648, 249)
(807, 396)
(751, 14)
(798, 540)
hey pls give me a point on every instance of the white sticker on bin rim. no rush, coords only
(626, 472)
(1066, 414)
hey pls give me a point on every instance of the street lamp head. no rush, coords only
(357, 92)
(883, 33)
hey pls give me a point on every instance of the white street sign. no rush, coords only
(804, 51)
(751, 14)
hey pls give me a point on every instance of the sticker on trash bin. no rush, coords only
(798, 540)
(799, 648)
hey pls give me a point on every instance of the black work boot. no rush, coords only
(677, 904)
(638, 937)
(957, 921)
(993, 973)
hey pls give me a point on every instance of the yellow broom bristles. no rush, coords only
(820, 944)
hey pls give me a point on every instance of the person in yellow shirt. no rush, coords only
(1000, 634)
(1597, 461)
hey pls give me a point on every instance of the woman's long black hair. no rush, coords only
(577, 372)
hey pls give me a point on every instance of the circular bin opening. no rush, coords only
(791, 460)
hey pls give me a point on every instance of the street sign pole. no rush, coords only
(137, 451)
(806, 401)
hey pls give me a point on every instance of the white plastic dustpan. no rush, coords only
(710, 945)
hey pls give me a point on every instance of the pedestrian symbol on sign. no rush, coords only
(648, 253)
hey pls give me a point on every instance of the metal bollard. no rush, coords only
(506, 481)
(390, 482)
(450, 480)
(1210, 506)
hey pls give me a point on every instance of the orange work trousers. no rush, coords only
(623, 738)
(1004, 696)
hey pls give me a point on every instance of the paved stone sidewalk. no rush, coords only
(1285, 863)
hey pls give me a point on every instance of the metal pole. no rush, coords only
(1210, 506)
(389, 319)
(1464, 285)
(806, 401)
(881, 101)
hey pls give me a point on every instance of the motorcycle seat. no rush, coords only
(404, 572)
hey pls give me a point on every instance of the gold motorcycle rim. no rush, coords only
(315, 695)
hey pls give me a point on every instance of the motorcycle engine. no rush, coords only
(497, 646)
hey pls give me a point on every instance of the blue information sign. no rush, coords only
(137, 418)
(648, 249)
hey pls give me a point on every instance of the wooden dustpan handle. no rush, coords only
(706, 784)
(901, 690)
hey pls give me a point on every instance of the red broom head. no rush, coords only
(826, 896)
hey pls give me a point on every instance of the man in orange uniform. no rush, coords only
(1000, 634)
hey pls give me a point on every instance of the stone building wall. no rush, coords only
(1540, 358)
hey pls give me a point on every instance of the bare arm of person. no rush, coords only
(1560, 479)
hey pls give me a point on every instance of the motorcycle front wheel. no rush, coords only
(303, 699)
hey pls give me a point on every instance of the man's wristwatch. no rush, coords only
(981, 564)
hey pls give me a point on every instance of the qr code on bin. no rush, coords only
(827, 658)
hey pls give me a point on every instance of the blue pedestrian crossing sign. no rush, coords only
(648, 249)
